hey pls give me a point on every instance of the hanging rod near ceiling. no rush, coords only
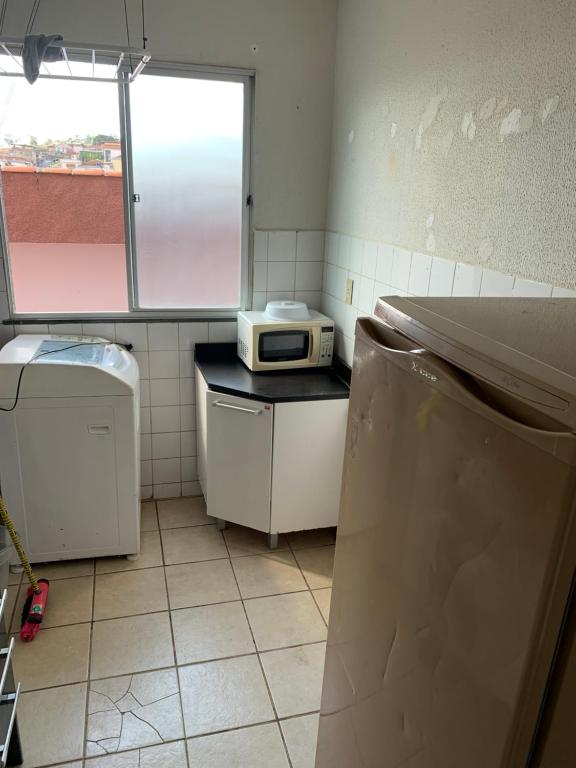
(124, 59)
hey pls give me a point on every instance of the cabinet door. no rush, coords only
(239, 460)
(201, 436)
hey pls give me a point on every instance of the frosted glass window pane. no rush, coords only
(61, 185)
(187, 149)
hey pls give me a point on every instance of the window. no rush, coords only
(132, 204)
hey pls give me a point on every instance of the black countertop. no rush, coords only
(225, 373)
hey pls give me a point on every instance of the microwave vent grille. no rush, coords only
(243, 348)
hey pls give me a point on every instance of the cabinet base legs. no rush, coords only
(273, 541)
(220, 524)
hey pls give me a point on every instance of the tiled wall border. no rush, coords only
(380, 269)
(287, 265)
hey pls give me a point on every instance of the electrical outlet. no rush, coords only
(349, 290)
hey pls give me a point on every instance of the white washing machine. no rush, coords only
(70, 448)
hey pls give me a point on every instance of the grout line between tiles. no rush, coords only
(85, 732)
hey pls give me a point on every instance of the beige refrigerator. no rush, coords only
(451, 639)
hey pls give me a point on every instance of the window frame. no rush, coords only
(134, 311)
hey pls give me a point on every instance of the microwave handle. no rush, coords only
(311, 350)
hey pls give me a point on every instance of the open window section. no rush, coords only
(61, 184)
(167, 163)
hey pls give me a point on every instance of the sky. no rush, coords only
(59, 109)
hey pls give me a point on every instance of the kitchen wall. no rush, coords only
(453, 139)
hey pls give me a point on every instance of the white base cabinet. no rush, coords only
(272, 467)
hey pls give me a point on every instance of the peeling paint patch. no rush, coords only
(468, 126)
(430, 114)
(430, 221)
(393, 129)
(485, 250)
(548, 108)
(446, 143)
(515, 123)
(487, 109)
(351, 136)
(431, 242)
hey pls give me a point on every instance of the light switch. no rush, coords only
(349, 290)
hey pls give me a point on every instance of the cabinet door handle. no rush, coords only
(231, 407)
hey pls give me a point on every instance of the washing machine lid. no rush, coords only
(66, 366)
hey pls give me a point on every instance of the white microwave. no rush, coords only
(287, 335)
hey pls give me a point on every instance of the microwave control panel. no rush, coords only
(326, 344)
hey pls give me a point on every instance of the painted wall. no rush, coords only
(454, 131)
(290, 44)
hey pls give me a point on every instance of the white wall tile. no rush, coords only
(312, 299)
(146, 492)
(260, 246)
(164, 392)
(145, 423)
(420, 269)
(188, 469)
(384, 264)
(563, 293)
(496, 284)
(186, 364)
(145, 447)
(366, 297)
(143, 364)
(59, 329)
(467, 280)
(310, 246)
(166, 445)
(144, 392)
(331, 245)
(369, 260)
(35, 328)
(401, 263)
(356, 278)
(162, 336)
(190, 334)
(280, 296)
(187, 418)
(259, 300)
(220, 333)
(281, 275)
(309, 275)
(335, 281)
(166, 470)
(441, 277)
(187, 391)
(356, 255)
(531, 288)
(281, 246)
(133, 333)
(164, 365)
(191, 489)
(188, 443)
(6, 334)
(165, 418)
(343, 252)
(145, 473)
(167, 490)
(381, 289)
(104, 330)
(260, 275)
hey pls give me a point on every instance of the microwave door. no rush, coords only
(284, 346)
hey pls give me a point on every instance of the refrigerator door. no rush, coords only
(453, 567)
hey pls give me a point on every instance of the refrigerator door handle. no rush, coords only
(453, 383)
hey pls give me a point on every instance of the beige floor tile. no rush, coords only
(189, 545)
(284, 620)
(56, 657)
(321, 537)
(67, 569)
(75, 764)
(181, 513)
(134, 644)
(257, 747)
(11, 600)
(52, 724)
(211, 632)
(130, 593)
(150, 556)
(14, 578)
(323, 598)
(301, 734)
(221, 695)
(247, 541)
(295, 678)
(271, 574)
(317, 566)
(193, 584)
(148, 516)
(172, 755)
(69, 602)
(134, 711)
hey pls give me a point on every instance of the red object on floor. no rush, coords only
(35, 608)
